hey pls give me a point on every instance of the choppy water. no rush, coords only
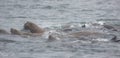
(52, 14)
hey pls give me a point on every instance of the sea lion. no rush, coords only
(15, 31)
(52, 38)
(84, 33)
(95, 36)
(114, 39)
(33, 27)
(2, 31)
(23, 34)
(67, 30)
(109, 27)
(83, 26)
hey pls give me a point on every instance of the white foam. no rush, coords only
(101, 22)
(100, 39)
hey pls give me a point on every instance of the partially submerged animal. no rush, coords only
(84, 33)
(109, 27)
(115, 39)
(33, 27)
(15, 31)
(35, 30)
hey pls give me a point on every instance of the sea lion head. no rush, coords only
(33, 27)
(27, 25)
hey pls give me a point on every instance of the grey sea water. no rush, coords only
(52, 14)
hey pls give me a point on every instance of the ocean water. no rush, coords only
(53, 14)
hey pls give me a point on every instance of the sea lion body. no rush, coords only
(33, 27)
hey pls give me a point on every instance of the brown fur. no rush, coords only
(33, 27)
(15, 31)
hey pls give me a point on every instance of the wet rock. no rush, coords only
(33, 27)
(2, 31)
